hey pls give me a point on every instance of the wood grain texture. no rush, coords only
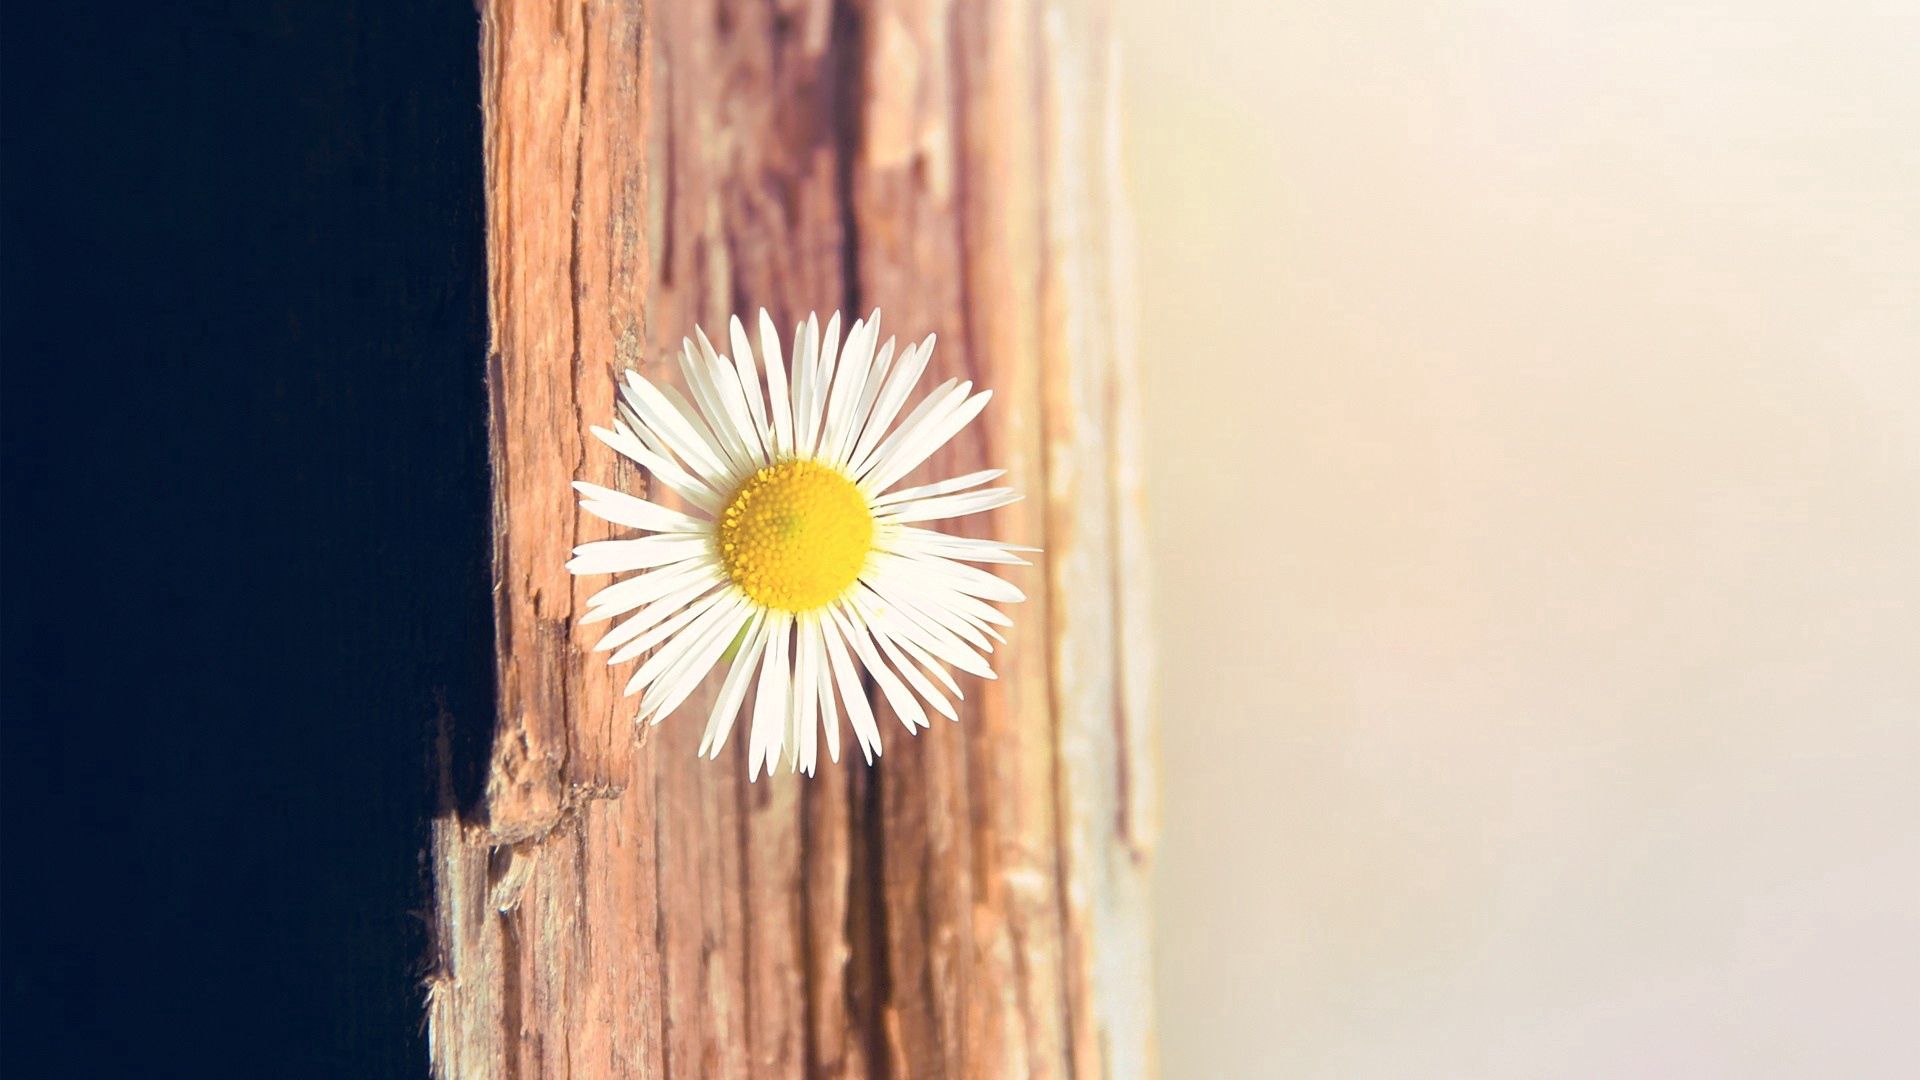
(975, 904)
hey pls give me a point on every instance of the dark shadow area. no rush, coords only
(245, 546)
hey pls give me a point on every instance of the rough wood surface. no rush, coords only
(975, 904)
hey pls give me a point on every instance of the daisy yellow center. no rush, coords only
(795, 535)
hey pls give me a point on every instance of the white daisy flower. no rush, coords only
(799, 559)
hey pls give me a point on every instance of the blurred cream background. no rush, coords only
(1534, 401)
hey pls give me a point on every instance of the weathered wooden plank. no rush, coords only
(972, 906)
(1103, 879)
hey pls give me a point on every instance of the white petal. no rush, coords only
(696, 419)
(780, 405)
(905, 577)
(677, 636)
(726, 383)
(852, 694)
(958, 576)
(856, 361)
(899, 387)
(970, 617)
(769, 699)
(806, 358)
(911, 672)
(823, 382)
(908, 540)
(650, 438)
(936, 606)
(940, 403)
(888, 469)
(635, 513)
(948, 610)
(940, 612)
(698, 369)
(666, 629)
(823, 688)
(938, 487)
(749, 374)
(937, 603)
(688, 443)
(616, 556)
(628, 593)
(904, 704)
(649, 617)
(733, 689)
(900, 615)
(863, 406)
(926, 660)
(622, 439)
(951, 506)
(679, 680)
(804, 695)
